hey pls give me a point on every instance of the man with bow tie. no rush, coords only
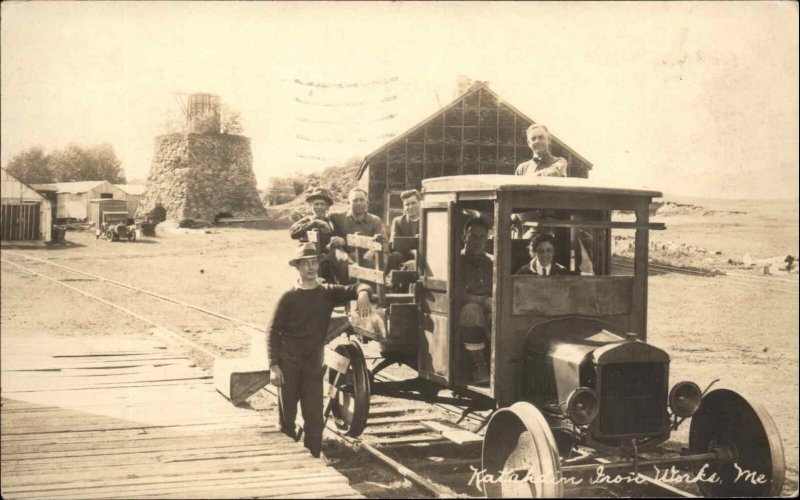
(543, 163)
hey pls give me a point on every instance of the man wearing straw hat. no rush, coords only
(295, 343)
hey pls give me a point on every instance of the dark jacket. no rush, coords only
(556, 269)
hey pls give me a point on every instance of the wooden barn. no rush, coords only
(478, 133)
(73, 199)
(132, 194)
(25, 215)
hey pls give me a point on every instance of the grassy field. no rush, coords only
(712, 327)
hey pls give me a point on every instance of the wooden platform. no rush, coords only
(114, 418)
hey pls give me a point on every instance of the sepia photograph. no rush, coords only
(339, 249)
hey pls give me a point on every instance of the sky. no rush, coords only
(690, 98)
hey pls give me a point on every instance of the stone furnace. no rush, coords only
(201, 173)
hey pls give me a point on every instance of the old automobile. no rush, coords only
(569, 362)
(116, 226)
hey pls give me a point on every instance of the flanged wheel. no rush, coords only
(350, 409)
(520, 446)
(744, 434)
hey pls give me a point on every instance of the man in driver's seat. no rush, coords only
(476, 309)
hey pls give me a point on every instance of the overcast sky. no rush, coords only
(690, 98)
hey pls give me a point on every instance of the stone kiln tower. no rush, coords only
(201, 174)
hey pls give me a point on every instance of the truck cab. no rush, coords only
(581, 216)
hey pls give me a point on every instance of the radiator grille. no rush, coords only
(633, 398)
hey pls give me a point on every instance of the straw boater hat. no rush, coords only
(319, 193)
(305, 251)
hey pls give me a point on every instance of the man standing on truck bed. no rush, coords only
(295, 343)
(354, 221)
(543, 162)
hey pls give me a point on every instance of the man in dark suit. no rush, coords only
(542, 247)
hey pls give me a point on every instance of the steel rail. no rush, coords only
(140, 290)
(165, 332)
(404, 471)
(734, 280)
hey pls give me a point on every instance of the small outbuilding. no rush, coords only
(73, 199)
(25, 215)
(132, 194)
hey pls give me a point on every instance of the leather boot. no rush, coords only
(480, 374)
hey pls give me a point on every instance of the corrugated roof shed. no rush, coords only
(134, 189)
(69, 187)
(13, 189)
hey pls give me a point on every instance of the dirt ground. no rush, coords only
(746, 336)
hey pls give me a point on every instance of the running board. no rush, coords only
(452, 432)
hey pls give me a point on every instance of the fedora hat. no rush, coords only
(305, 251)
(319, 193)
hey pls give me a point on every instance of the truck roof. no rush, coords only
(522, 183)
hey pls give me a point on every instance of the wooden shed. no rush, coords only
(477, 133)
(132, 194)
(25, 215)
(73, 198)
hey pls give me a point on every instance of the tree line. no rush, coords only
(73, 163)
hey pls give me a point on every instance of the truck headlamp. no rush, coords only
(583, 405)
(684, 399)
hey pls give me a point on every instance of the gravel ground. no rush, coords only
(712, 327)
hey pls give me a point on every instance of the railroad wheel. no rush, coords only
(745, 432)
(518, 441)
(350, 409)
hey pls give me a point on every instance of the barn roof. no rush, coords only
(475, 87)
(69, 187)
(134, 189)
(486, 182)
(13, 188)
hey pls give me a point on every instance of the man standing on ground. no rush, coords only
(354, 221)
(295, 343)
(543, 162)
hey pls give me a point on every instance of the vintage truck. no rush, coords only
(116, 226)
(570, 365)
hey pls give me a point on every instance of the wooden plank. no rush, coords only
(364, 242)
(238, 379)
(373, 275)
(452, 432)
(561, 295)
(188, 484)
(542, 221)
(336, 361)
(273, 462)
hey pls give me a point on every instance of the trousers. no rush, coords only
(302, 382)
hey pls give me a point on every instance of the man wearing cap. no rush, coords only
(319, 200)
(543, 162)
(541, 248)
(295, 343)
(354, 221)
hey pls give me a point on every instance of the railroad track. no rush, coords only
(775, 284)
(396, 433)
